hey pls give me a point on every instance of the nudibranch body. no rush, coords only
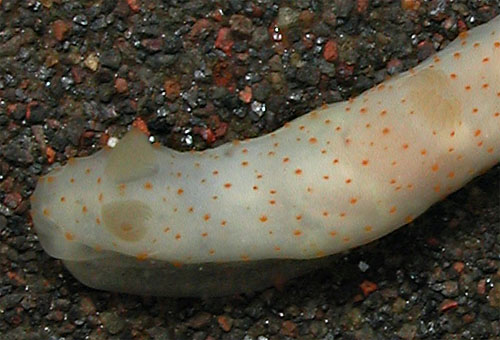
(336, 178)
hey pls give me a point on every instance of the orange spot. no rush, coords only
(63, 199)
(98, 180)
(298, 217)
(451, 174)
(298, 171)
(227, 185)
(141, 256)
(476, 45)
(342, 214)
(244, 163)
(215, 197)
(255, 187)
(346, 239)
(72, 180)
(272, 191)
(409, 219)
(453, 76)
(497, 44)
(177, 236)
(486, 59)
(435, 167)
(271, 153)
(335, 161)
(87, 171)
(50, 179)
(485, 86)
(467, 87)
(353, 200)
(206, 217)
(190, 209)
(223, 223)
(490, 150)
(333, 233)
(451, 149)
(100, 197)
(328, 121)
(272, 202)
(363, 110)
(98, 220)
(423, 152)
(393, 209)
(148, 186)
(456, 55)
(437, 188)
(84, 209)
(477, 133)
(245, 258)
(211, 251)
(405, 146)
(475, 110)
(297, 232)
(348, 181)
(205, 234)
(480, 144)
(385, 131)
(365, 162)
(263, 218)
(286, 159)
(215, 172)
(368, 228)
(69, 236)
(313, 140)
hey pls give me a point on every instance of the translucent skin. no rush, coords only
(336, 178)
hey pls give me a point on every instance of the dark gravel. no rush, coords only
(198, 74)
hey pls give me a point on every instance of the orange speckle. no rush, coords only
(245, 258)
(100, 197)
(335, 161)
(272, 191)
(497, 44)
(298, 217)
(271, 153)
(206, 217)
(476, 45)
(259, 176)
(214, 197)
(451, 149)
(342, 214)
(272, 202)
(393, 209)
(480, 144)
(456, 55)
(148, 186)
(477, 133)
(475, 110)
(69, 236)
(298, 171)
(297, 232)
(263, 218)
(244, 163)
(50, 179)
(353, 200)
(244, 151)
(190, 209)
(490, 150)
(87, 171)
(365, 162)
(255, 187)
(180, 191)
(467, 87)
(204, 234)
(409, 219)
(326, 177)
(313, 140)
(435, 167)
(227, 185)
(348, 181)
(99, 180)
(84, 209)
(368, 228)
(302, 127)
(385, 131)
(277, 248)
(72, 180)
(286, 160)
(453, 76)
(327, 121)
(215, 172)
(405, 146)
(97, 220)
(325, 214)
(346, 239)
(486, 59)
(485, 86)
(363, 110)
(177, 236)
(333, 233)
(141, 256)
(451, 174)
(63, 199)
(423, 152)
(223, 223)
(437, 188)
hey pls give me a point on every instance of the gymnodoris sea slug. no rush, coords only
(150, 220)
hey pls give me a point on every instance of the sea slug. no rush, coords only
(149, 220)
